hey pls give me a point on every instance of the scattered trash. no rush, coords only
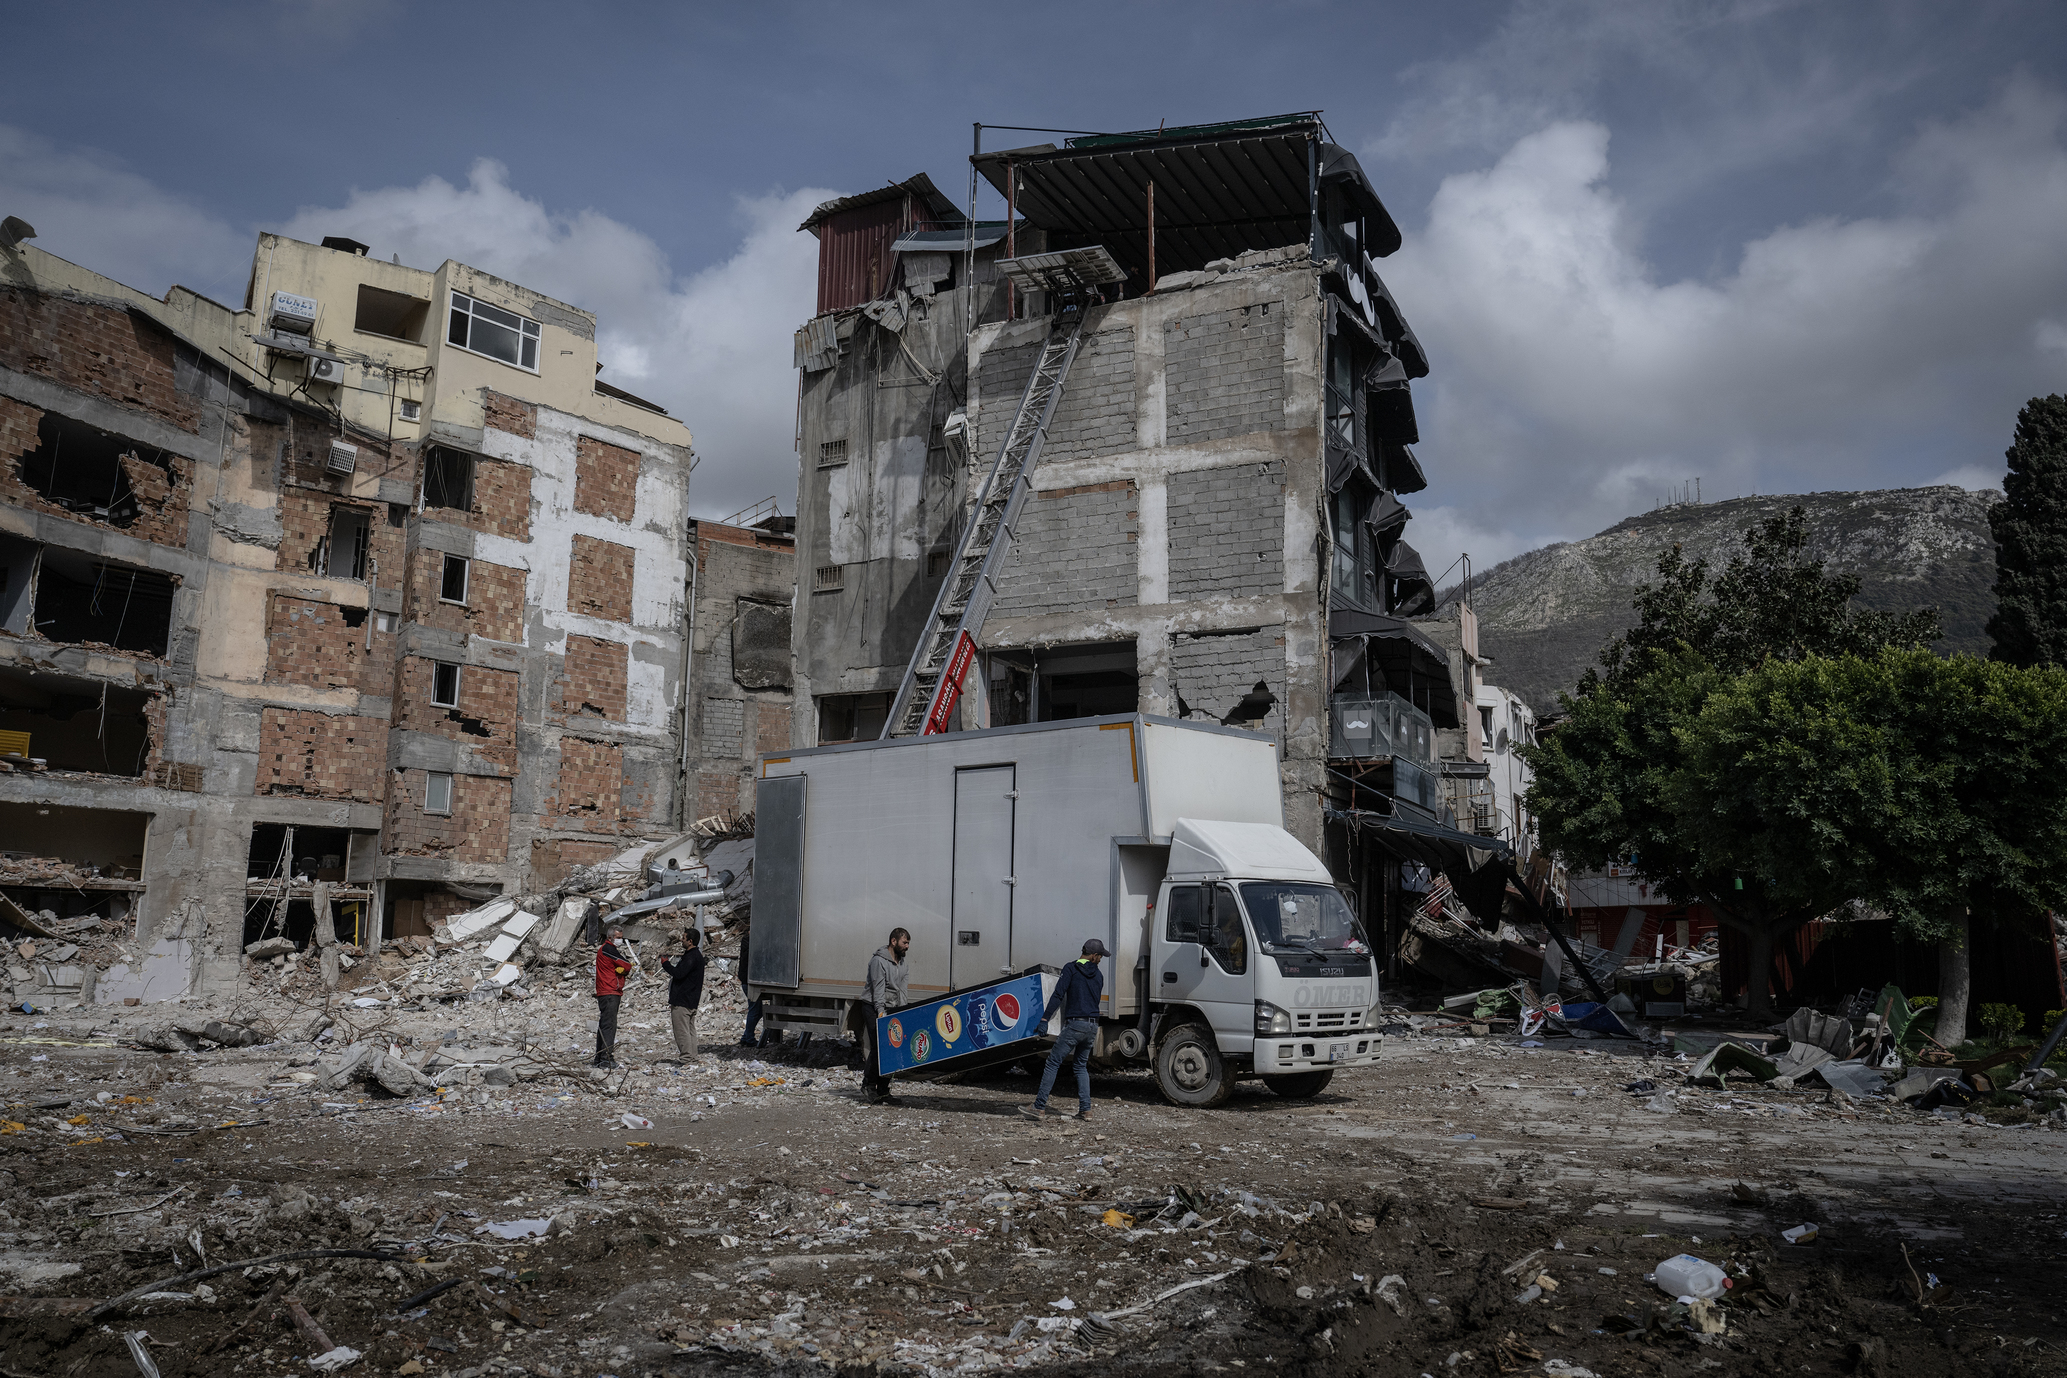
(632, 1121)
(1119, 1220)
(335, 1359)
(1644, 1087)
(1662, 1103)
(1064, 1305)
(138, 1354)
(1800, 1234)
(1684, 1275)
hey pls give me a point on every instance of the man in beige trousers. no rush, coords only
(685, 991)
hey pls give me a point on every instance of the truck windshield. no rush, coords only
(1290, 916)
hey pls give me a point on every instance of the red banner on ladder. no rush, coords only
(950, 686)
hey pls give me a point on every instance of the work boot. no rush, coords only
(1084, 1115)
(1034, 1112)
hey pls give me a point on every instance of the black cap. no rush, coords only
(1094, 948)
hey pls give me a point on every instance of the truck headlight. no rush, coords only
(1272, 1020)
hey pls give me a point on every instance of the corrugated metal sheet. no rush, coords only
(854, 258)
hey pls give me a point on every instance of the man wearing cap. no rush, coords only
(1077, 993)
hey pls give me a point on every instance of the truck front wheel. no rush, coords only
(1189, 1068)
(1300, 1085)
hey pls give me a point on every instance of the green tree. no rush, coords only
(1603, 779)
(2030, 527)
(1929, 787)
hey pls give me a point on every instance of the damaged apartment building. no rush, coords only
(1214, 528)
(368, 593)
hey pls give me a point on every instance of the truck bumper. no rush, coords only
(1276, 1055)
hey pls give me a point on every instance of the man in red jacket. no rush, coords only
(612, 966)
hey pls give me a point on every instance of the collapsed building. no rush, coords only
(366, 596)
(1214, 526)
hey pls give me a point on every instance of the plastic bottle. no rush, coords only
(1683, 1275)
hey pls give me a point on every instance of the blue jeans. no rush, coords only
(1077, 1037)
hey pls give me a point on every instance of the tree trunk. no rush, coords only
(1954, 972)
(1758, 987)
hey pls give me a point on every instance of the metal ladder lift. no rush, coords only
(932, 686)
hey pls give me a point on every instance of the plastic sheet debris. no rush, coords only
(516, 1229)
(631, 1121)
(1800, 1234)
(332, 1360)
(138, 1355)
(1718, 1062)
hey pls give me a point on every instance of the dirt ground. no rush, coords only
(769, 1220)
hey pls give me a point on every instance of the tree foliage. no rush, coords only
(2030, 527)
(1607, 780)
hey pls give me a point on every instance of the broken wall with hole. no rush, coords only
(741, 699)
(1175, 511)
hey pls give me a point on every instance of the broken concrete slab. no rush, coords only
(164, 974)
(266, 948)
(1724, 1058)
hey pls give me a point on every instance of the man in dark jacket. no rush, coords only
(612, 966)
(1077, 994)
(685, 991)
(748, 1039)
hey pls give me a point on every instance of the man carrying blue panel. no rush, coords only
(1078, 994)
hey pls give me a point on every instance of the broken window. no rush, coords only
(851, 717)
(94, 473)
(74, 723)
(437, 791)
(448, 479)
(490, 330)
(351, 529)
(79, 598)
(444, 685)
(394, 314)
(452, 584)
(87, 845)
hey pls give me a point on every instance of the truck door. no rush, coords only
(1202, 958)
(982, 891)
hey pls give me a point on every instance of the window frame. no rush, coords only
(411, 409)
(466, 577)
(443, 456)
(438, 669)
(534, 335)
(430, 780)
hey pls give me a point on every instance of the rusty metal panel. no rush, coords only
(854, 258)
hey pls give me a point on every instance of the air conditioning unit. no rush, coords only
(322, 370)
(343, 458)
(292, 313)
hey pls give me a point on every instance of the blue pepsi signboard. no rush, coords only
(953, 1030)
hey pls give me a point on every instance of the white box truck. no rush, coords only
(1003, 850)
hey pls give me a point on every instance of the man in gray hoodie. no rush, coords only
(884, 991)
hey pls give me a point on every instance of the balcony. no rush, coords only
(1380, 726)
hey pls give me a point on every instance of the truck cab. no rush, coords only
(1256, 967)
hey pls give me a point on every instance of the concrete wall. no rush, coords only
(740, 677)
(1177, 506)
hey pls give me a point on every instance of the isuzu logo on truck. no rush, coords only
(1311, 996)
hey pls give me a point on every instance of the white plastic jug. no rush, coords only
(1683, 1275)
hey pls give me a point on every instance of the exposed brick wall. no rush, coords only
(1227, 531)
(305, 523)
(1225, 373)
(502, 501)
(1213, 673)
(502, 412)
(592, 683)
(772, 724)
(1096, 414)
(159, 481)
(97, 349)
(590, 790)
(324, 646)
(486, 718)
(477, 829)
(322, 755)
(1000, 379)
(308, 455)
(553, 859)
(724, 728)
(1075, 552)
(721, 792)
(606, 479)
(495, 598)
(599, 579)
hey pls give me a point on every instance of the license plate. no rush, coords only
(1338, 1052)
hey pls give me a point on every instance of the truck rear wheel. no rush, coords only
(1300, 1085)
(1189, 1068)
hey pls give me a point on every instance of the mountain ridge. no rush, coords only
(1545, 614)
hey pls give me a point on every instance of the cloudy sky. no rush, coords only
(1779, 246)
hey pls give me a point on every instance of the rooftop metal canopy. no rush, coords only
(1220, 190)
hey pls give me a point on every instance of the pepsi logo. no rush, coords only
(1005, 1009)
